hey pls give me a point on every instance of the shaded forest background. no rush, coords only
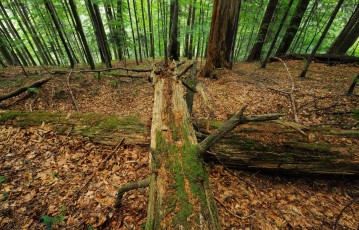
(80, 32)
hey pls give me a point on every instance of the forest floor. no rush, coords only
(43, 172)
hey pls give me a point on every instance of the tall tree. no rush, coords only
(51, 9)
(224, 26)
(293, 27)
(331, 19)
(99, 32)
(150, 23)
(79, 29)
(173, 46)
(256, 50)
(347, 36)
(274, 40)
(5, 52)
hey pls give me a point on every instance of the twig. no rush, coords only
(228, 210)
(292, 99)
(72, 95)
(342, 211)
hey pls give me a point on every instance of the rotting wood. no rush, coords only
(72, 95)
(23, 89)
(238, 150)
(179, 195)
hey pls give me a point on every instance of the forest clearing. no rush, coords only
(179, 114)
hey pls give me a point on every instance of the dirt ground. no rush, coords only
(66, 177)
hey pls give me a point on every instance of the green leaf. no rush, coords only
(2, 179)
(46, 219)
(33, 90)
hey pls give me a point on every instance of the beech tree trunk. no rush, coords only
(224, 27)
(326, 29)
(293, 26)
(51, 9)
(173, 46)
(255, 53)
(78, 27)
(179, 195)
(347, 36)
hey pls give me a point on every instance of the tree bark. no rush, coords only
(224, 26)
(255, 53)
(352, 86)
(347, 36)
(180, 197)
(239, 149)
(321, 58)
(173, 46)
(331, 19)
(79, 28)
(51, 9)
(293, 26)
(274, 40)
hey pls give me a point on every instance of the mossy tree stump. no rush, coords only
(180, 197)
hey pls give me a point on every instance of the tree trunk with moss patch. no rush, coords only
(180, 197)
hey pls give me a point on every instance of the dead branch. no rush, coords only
(72, 95)
(20, 90)
(128, 187)
(102, 70)
(342, 211)
(291, 92)
(184, 71)
(236, 120)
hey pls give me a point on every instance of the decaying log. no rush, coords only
(322, 58)
(352, 86)
(23, 89)
(179, 195)
(236, 150)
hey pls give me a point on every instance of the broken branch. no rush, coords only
(128, 187)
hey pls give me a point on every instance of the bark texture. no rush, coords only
(347, 36)
(255, 53)
(222, 34)
(293, 26)
(180, 197)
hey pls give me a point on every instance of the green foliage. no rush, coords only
(33, 90)
(50, 221)
(2, 179)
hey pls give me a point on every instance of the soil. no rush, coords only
(45, 174)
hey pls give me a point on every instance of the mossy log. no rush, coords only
(238, 150)
(179, 195)
(23, 89)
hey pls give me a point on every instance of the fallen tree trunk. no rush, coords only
(179, 195)
(238, 150)
(322, 58)
(23, 89)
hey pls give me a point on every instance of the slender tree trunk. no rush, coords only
(332, 17)
(304, 26)
(144, 28)
(51, 9)
(347, 36)
(186, 44)
(224, 26)
(191, 36)
(79, 29)
(293, 26)
(150, 24)
(256, 50)
(173, 43)
(5, 51)
(138, 30)
(132, 30)
(274, 40)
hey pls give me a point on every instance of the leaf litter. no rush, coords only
(42, 171)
